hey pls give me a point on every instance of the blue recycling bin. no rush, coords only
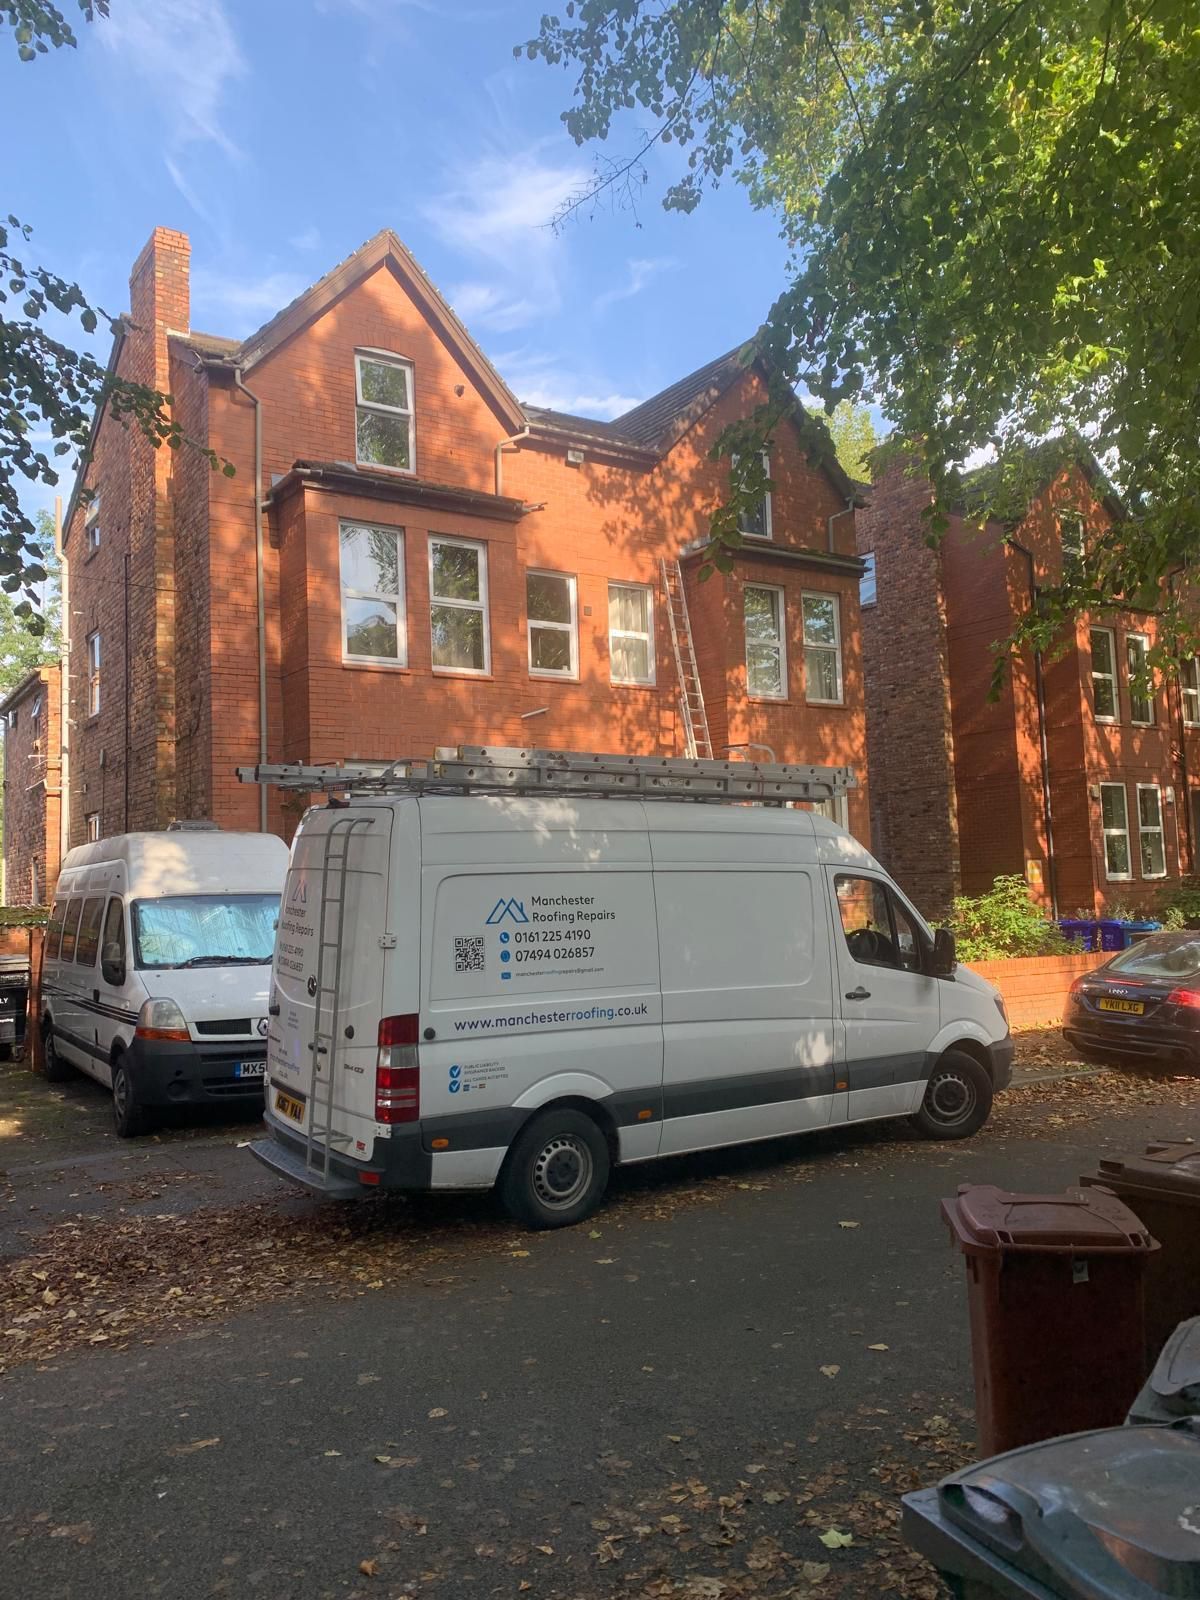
(1135, 930)
(1079, 931)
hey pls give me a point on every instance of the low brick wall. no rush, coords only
(1035, 987)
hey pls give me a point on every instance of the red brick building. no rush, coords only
(406, 557)
(1071, 777)
(30, 716)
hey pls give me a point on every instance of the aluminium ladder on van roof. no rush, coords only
(498, 770)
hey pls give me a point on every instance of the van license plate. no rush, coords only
(1132, 1008)
(249, 1069)
(288, 1106)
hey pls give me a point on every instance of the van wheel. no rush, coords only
(129, 1114)
(958, 1098)
(54, 1068)
(557, 1171)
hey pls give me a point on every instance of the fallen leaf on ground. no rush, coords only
(368, 1568)
(333, 1452)
(831, 1371)
(518, 1253)
(439, 1411)
(814, 1571)
(847, 1224)
(832, 1539)
(877, 1347)
(190, 1449)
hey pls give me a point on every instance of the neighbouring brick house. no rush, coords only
(30, 715)
(1069, 777)
(439, 564)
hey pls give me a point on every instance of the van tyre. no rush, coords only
(958, 1098)
(129, 1114)
(557, 1170)
(54, 1068)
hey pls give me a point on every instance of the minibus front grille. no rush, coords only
(224, 1025)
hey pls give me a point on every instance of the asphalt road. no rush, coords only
(637, 1407)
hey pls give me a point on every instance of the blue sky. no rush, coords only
(280, 134)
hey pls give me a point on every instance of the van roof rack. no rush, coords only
(496, 769)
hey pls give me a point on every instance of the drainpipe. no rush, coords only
(511, 443)
(1040, 688)
(128, 747)
(64, 686)
(260, 587)
(846, 509)
(1183, 800)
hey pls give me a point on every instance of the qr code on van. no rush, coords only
(468, 954)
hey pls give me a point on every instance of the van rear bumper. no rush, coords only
(399, 1163)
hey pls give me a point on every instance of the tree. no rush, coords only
(994, 216)
(853, 433)
(22, 649)
(45, 385)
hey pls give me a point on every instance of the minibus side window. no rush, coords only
(114, 933)
(71, 928)
(54, 930)
(88, 942)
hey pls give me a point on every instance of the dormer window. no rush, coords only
(383, 417)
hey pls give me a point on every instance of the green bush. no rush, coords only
(1180, 907)
(1003, 923)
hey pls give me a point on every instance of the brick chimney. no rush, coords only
(159, 301)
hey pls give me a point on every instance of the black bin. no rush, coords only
(1108, 1515)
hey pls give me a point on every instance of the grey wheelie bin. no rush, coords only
(1172, 1390)
(1107, 1515)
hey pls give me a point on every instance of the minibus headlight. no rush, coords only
(161, 1019)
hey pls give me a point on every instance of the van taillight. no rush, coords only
(397, 1075)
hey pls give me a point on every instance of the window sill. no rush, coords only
(1134, 723)
(631, 683)
(553, 677)
(92, 720)
(769, 699)
(838, 705)
(1108, 722)
(355, 664)
(463, 672)
(90, 554)
(378, 466)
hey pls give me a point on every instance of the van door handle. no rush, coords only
(858, 994)
(95, 994)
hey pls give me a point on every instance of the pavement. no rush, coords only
(743, 1352)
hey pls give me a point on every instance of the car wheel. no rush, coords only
(557, 1171)
(54, 1068)
(129, 1114)
(958, 1098)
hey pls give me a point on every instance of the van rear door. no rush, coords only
(328, 974)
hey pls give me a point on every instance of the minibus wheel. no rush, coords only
(958, 1098)
(128, 1112)
(557, 1170)
(54, 1068)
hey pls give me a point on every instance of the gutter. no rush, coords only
(513, 442)
(260, 590)
(64, 690)
(1040, 688)
(845, 511)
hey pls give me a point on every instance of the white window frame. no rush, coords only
(1144, 640)
(91, 826)
(836, 647)
(1117, 877)
(780, 639)
(1190, 692)
(398, 599)
(386, 358)
(91, 524)
(570, 628)
(1106, 677)
(630, 633)
(870, 574)
(1161, 831)
(748, 533)
(481, 605)
(836, 809)
(35, 715)
(93, 673)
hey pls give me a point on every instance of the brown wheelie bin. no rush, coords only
(1162, 1188)
(1055, 1288)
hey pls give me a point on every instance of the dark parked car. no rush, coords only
(1144, 1004)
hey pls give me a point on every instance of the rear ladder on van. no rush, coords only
(327, 999)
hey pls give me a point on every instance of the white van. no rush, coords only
(155, 968)
(526, 988)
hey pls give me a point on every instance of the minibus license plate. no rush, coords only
(249, 1069)
(289, 1106)
(1132, 1008)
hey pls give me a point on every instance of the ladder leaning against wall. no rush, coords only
(697, 742)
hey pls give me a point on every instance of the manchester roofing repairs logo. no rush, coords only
(514, 910)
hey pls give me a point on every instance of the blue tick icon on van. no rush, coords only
(455, 1083)
(514, 910)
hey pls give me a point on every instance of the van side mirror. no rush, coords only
(112, 964)
(944, 959)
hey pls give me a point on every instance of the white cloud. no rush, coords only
(641, 272)
(237, 305)
(307, 239)
(186, 52)
(483, 305)
(499, 210)
(562, 397)
(537, 379)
